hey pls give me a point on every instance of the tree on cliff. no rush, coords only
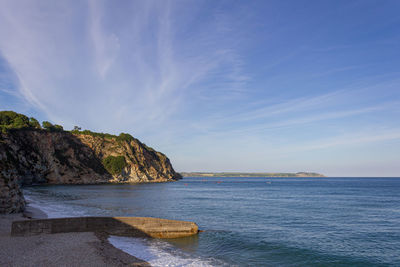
(58, 127)
(47, 125)
(53, 128)
(34, 123)
(13, 120)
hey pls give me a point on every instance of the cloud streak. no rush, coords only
(198, 79)
(135, 71)
(105, 46)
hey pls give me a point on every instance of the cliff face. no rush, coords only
(142, 163)
(33, 156)
(63, 158)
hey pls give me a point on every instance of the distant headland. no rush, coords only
(251, 174)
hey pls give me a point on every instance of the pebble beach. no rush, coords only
(64, 249)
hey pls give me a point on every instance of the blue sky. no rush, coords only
(279, 86)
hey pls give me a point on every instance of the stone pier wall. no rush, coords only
(126, 226)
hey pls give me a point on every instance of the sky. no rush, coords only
(248, 86)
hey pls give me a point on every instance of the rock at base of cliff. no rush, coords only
(11, 198)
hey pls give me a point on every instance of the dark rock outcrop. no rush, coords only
(11, 198)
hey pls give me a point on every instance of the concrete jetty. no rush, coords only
(125, 226)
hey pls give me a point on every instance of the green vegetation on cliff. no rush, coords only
(114, 165)
(52, 128)
(122, 137)
(34, 123)
(94, 134)
(11, 120)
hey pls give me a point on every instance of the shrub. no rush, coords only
(125, 137)
(52, 128)
(114, 165)
(47, 125)
(58, 128)
(34, 123)
(13, 120)
(94, 134)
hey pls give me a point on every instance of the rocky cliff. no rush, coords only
(35, 156)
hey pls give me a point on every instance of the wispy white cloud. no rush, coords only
(337, 70)
(344, 141)
(292, 113)
(196, 78)
(105, 45)
(323, 116)
(132, 76)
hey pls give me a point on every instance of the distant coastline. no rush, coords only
(251, 174)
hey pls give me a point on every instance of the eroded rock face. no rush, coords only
(11, 198)
(31, 156)
(143, 164)
(63, 158)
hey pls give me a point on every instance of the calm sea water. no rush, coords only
(250, 221)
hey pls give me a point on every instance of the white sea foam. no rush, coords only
(52, 210)
(157, 252)
(58, 211)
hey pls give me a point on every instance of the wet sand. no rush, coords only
(65, 249)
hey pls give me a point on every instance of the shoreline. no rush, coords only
(63, 249)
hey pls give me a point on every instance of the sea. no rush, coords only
(255, 221)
